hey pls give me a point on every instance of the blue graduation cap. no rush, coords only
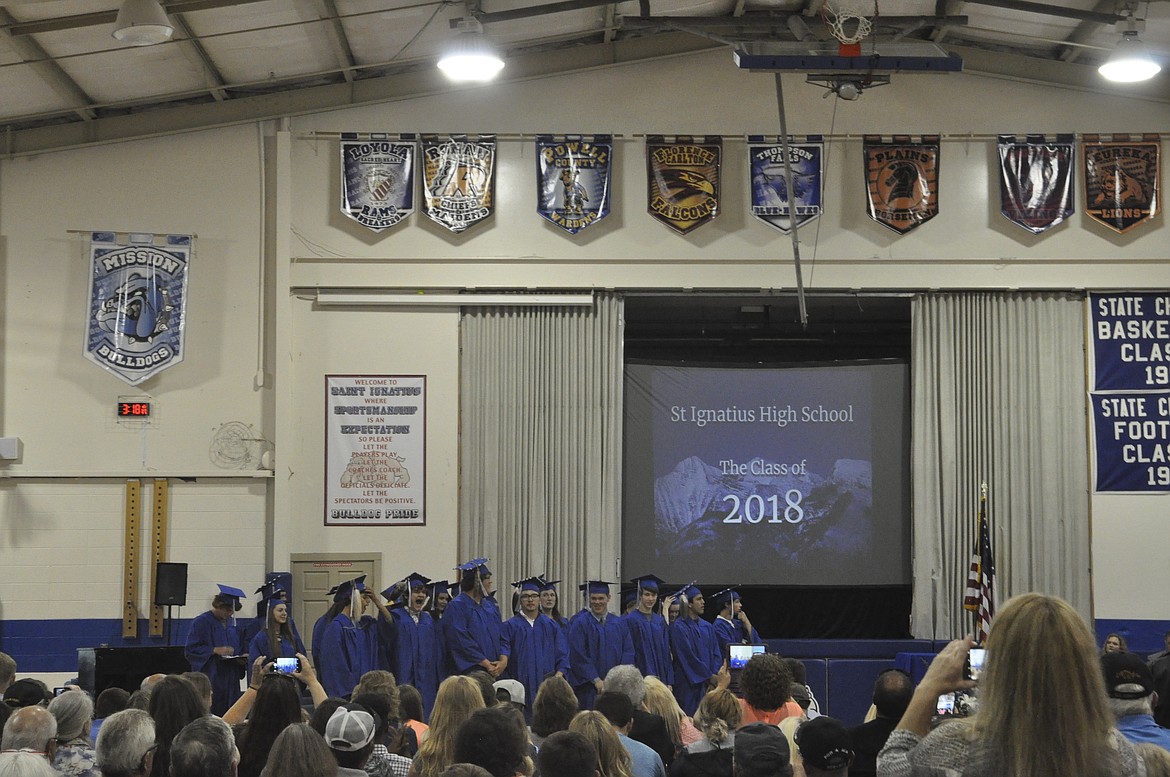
(594, 587)
(628, 596)
(529, 584)
(402, 589)
(477, 565)
(271, 590)
(648, 583)
(345, 589)
(232, 593)
(436, 587)
(688, 591)
(725, 597)
(548, 585)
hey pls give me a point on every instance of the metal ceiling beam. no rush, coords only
(96, 18)
(764, 20)
(1051, 10)
(1084, 31)
(193, 50)
(49, 71)
(338, 38)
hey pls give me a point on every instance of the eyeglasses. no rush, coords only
(142, 761)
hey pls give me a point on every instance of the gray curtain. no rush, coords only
(540, 447)
(999, 397)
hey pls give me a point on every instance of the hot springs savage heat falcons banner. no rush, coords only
(137, 303)
(572, 179)
(902, 180)
(1036, 181)
(459, 179)
(682, 180)
(769, 194)
(1121, 180)
(377, 178)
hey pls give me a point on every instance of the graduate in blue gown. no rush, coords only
(415, 647)
(537, 648)
(732, 627)
(697, 661)
(598, 641)
(648, 631)
(278, 630)
(549, 602)
(350, 648)
(213, 648)
(472, 628)
(336, 605)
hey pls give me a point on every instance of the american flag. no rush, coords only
(980, 595)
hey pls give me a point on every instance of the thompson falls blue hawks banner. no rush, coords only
(769, 194)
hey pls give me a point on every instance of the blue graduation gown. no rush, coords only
(207, 633)
(594, 649)
(733, 633)
(472, 632)
(536, 650)
(259, 647)
(318, 632)
(696, 658)
(651, 645)
(416, 654)
(349, 650)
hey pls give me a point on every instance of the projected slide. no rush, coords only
(767, 476)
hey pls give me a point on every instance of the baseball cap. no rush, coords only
(26, 693)
(349, 728)
(513, 688)
(761, 749)
(1126, 676)
(824, 742)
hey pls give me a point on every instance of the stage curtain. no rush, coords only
(540, 447)
(998, 397)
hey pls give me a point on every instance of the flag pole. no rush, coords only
(978, 541)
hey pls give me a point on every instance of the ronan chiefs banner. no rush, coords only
(682, 180)
(572, 179)
(1121, 180)
(1036, 181)
(137, 303)
(459, 179)
(377, 178)
(769, 194)
(902, 180)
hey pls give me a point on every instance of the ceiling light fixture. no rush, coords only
(1130, 61)
(142, 23)
(470, 57)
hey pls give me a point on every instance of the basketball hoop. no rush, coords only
(848, 26)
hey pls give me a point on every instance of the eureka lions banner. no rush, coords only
(377, 178)
(459, 179)
(902, 180)
(1036, 181)
(137, 303)
(1121, 180)
(572, 179)
(769, 194)
(682, 180)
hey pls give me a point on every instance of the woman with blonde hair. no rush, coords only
(458, 697)
(1042, 704)
(613, 760)
(718, 716)
(660, 701)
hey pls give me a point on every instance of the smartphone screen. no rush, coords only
(287, 665)
(946, 704)
(975, 659)
(739, 655)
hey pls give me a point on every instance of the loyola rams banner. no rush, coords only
(1121, 180)
(1036, 181)
(769, 194)
(377, 178)
(902, 180)
(683, 180)
(572, 180)
(459, 179)
(137, 303)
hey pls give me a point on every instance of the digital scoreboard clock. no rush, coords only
(133, 409)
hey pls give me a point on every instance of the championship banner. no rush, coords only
(1130, 341)
(902, 180)
(375, 450)
(137, 303)
(1121, 180)
(572, 179)
(769, 195)
(459, 179)
(682, 180)
(1036, 181)
(377, 178)
(1131, 444)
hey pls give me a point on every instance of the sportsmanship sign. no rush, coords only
(377, 178)
(1036, 181)
(1131, 402)
(769, 194)
(682, 180)
(1121, 180)
(375, 450)
(137, 303)
(902, 180)
(572, 180)
(459, 179)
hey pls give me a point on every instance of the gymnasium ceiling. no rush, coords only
(64, 81)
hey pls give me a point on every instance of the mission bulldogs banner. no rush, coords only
(769, 195)
(1036, 181)
(459, 179)
(137, 303)
(1121, 180)
(902, 180)
(572, 179)
(682, 180)
(377, 178)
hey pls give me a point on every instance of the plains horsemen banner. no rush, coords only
(902, 180)
(137, 303)
(1036, 181)
(683, 180)
(769, 194)
(377, 178)
(459, 179)
(572, 179)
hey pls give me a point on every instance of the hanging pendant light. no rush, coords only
(142, 23)
(470, 56)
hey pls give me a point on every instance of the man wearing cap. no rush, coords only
(1130, 686)
(349, 732)
(761, 750)
(824, 746)
(472, 628)
(415, 652)
(648, 631)
(214, 648)
(697, 662)
(598, 641)
(536, 646)
(354, 643)
(732, 625)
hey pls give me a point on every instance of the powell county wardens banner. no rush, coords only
(137, 303)
(1036, 181)
(375, 450)
(377, 178)
(902, 180)
(769, 195)
(682, 180)
(1121, 180)
(572, 179)
(459, 179)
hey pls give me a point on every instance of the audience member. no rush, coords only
(109, 701)
(1153, 659)
(27, 692)
(410, 710)
(718, 716)
(891, 696)
(7, 672)
(299, 751)
(203, 748)
(459, 696)
(465, 770)
(75, 756)
(679, 726)
(125, 745)
(323, 711)
(552, 709)
(202, 685)
(567, 754)
(24, 764)
(1157, 759)
(31, 728)
(277, 706)
(487, 686)
(613, 760)
(396, 740)
(384, 761)
(139, 700)
(496, 739)
(825, 748)
(1114, 643)
(761, 751)
(174, 703)
(803, 695)
(349, 733)
(619, 711)
(510, 691)
(647, 727)
(766, 686)
(1130, 687)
